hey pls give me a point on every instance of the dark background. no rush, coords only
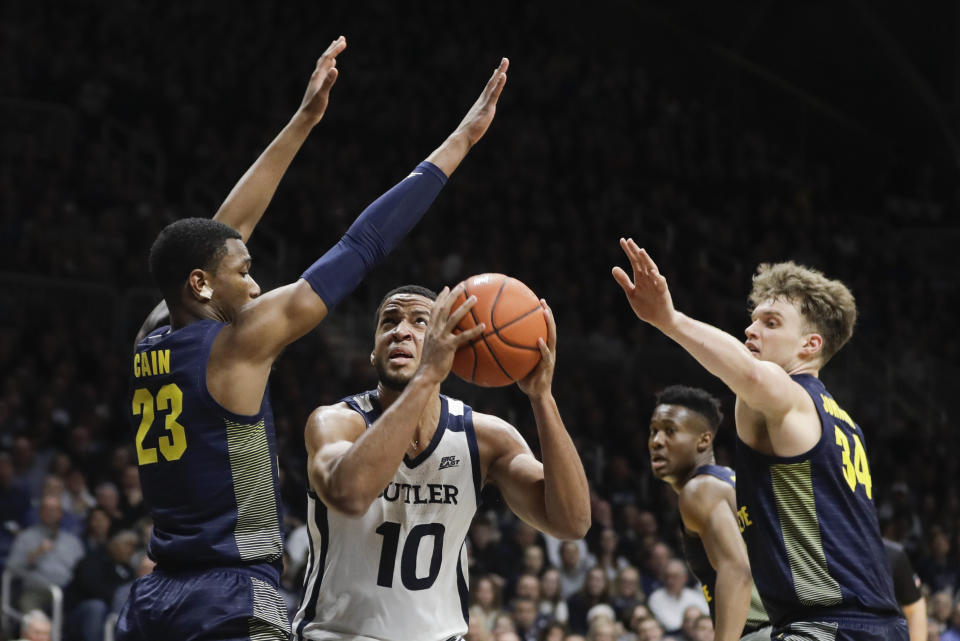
(719, 135)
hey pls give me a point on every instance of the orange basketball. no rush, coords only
(507, 351)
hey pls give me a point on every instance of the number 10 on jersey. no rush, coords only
(390, 531)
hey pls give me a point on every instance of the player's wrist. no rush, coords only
(304, 121)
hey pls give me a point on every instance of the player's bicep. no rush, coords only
(722, 539)
(515, 471)
(774, 393)
(330, 432)
(274, 320)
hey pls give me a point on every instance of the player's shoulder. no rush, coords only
(700, 495)
(494, 433)
(705, 486)
(334, 422)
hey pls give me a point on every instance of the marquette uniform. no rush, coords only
(699, 562)
(210, 480)
(812, 534)
(399, 572)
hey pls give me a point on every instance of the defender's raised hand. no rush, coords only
(440, 341)
(647, 293)
(447, 157)
(317, 95)
(480, 115)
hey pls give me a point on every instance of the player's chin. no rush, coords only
(394, 380)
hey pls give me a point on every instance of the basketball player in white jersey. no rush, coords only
(396, 473)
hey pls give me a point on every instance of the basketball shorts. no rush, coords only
(845, 630)
(221, 603)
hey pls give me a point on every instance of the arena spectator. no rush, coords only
(669, 603)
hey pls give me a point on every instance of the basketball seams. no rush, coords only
(492, 366)
(515, 320)
(493, 355)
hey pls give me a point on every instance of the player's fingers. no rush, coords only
(333, 49)
(329, 80)
(460, 312)
(469, 335)
(551, 343)
(496, 79)
(441, 306)
(622, 279)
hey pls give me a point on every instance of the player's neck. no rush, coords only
(183, 315)
(705, 458)
(429, 418)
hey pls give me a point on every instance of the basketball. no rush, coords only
(507, 351)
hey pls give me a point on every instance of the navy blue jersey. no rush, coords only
(811, 526)
(209, 476)
(699, 563)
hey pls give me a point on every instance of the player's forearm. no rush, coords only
(916, 615)
(720, 353)
(374, 234)
(566, 491)
(249, 198)
(362, 473)
(732, 601)
(448, 156)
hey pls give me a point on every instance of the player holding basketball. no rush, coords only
(682, 429)
(396, 473)
(803, 483)
(208, 461)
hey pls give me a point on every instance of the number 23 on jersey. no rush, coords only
(172, 446)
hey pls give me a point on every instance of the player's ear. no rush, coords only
(371, 358)
(198, 285)
(812, 344)
(704, 441)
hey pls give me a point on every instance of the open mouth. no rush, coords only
(657, 461)
(753, 348)
(399, 355)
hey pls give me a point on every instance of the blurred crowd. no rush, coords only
(147, 112)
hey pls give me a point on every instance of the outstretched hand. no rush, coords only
(538, 382)
(647, 293)
(441, 340)
(317, 95)
(480, 115)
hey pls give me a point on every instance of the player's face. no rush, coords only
(675, 432)
(777, 333)
(233, 286)
(398, 341)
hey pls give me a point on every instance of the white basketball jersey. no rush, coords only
(399, 572)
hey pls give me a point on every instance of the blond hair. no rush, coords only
(827, 306)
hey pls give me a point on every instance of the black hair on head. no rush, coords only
(185, 245)
(417, 290)
(693, 398)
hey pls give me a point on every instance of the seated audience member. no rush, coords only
(626, 593)
(594, 591)
(95, 580)
(670, 602)
(35, 626)
(485, 606)
(44, 554)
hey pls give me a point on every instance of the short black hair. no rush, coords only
(698, 400)
(418, 290)
(185, 245)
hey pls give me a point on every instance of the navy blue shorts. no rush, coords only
(222, 603)
(845, 630)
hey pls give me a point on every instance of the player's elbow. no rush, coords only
(572, 529)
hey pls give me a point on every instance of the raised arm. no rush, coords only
(246, 202)
(763, 386)
(249, 198)
(348, 465)
(552, 496)
(272, 321)
(706, 511)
